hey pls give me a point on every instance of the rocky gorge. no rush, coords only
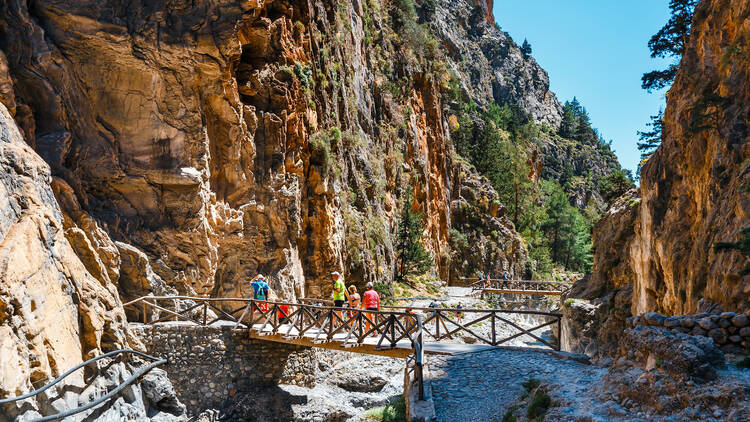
(175, 147)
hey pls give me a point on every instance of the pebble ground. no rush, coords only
(482, 386)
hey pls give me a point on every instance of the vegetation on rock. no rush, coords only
(412, 257)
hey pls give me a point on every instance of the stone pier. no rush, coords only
(209, 365)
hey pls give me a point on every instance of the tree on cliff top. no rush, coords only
(412, 257)
(526, 49)
(670, 41)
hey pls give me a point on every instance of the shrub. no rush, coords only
(531, 384)
(320, 148)
(615, 184)
(385, 290)
(509, 416)
(538, 405)
(303, 73)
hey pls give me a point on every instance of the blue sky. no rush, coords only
(597, 51)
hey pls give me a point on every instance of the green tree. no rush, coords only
(615, 184)
(650, 139)
(670, 41)
(567, 233)
(526, 49)
(412, 257)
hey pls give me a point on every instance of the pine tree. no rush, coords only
(650, 139)
(670, 41)
(615, 184)
(569, 124)
(526, 49)
(412, 256)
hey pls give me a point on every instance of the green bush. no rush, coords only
(392, 412)
(509, 416)
(385, 290)
(538, 405)
(531, 384)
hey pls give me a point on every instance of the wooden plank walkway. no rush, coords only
(395, 331)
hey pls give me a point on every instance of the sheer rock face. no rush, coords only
(53, 312)
(660, 246)
(693, 188)
(230, 138)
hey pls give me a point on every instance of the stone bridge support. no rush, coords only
(209, 365)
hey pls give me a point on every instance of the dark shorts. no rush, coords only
(371, 309)
(339, 303)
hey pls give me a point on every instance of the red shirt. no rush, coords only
(371, 299)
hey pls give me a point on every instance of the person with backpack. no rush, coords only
(261, 290)
(371, 302)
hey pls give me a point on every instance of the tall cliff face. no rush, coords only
(228, 138)
(694, 188)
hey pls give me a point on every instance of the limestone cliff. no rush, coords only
(229, 138)
(694, 187)
(659, 246)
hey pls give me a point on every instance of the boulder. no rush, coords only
(160, 394)
(687, 322)
(680, 354)
(723, 323)
(740, 321)
(654, 319)
(697, 331)
(671, 322)
(719, 335)
(706, 324)
(745, 332)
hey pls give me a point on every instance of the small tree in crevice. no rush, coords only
(650, 139)
(412, 257)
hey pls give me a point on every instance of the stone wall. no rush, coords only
(209, 365)
(726, 329)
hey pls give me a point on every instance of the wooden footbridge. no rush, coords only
(395, 331)
(521, 287)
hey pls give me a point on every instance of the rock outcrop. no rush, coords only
(54, 312)
(489, 64)
(659, 248)
(694, 187)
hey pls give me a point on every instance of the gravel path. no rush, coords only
(481, 386)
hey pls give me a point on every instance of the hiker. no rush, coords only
(260, 291)
(459, 314)
(371, 302)
(283, 312)
(355, 301)
(340, 294)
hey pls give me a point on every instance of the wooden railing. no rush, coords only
(521, 286)
(296, 320)
(443, 323)
(322, 323)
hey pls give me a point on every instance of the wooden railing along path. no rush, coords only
(526, 287)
